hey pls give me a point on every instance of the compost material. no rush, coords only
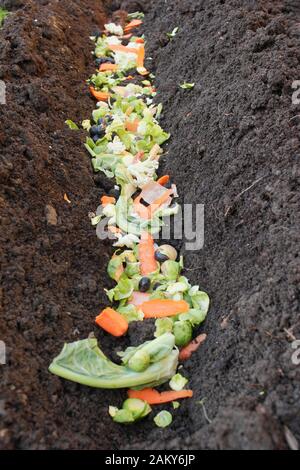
(234, 147)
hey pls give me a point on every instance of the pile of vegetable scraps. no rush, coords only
(125, 142)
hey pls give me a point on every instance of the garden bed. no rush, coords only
(234, 147)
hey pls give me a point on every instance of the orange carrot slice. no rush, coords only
(159, 308)
(139, 40)
(107, 200)
(121, 48)
(148, 264)
(108, 67)
(99, 95)
(133, 24)
(163, 180)
(140, 61)
(141, 56)
(153, 397)
(112, 322)
(187, 351)
(132, 126)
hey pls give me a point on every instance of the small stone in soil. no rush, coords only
(51, 215)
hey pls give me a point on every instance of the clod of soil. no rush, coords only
(234, 148)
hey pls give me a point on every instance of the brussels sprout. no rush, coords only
(194, 316)
(132, 269)
(139, 361)
(157, 349)
(176, 287)
(169, 251)
(129, 256)
(170, 269)
(163, 419)
(121, 416)
(114, 267)
(138, 408)
(182, 331)
(163, 325)
(200, 300)
(177, 382)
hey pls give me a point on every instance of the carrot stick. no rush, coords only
(139, 40)
(133, 24)
(163, 180)
(121, 48)
(159, 308)
(99, 95)
(132, 126)
(140, 61)
(153, 397)
(108, 67)
(187, 351)
(107, 200)
(146, 249)
(141, 56)
(112, 322)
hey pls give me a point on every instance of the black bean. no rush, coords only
(144, 284)
(160, 256)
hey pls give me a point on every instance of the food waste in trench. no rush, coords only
(125, 143)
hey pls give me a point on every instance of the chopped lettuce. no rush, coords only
(130, 313)
(163, 325)
(173, 33)
(71, 124)
(187, 86)
(123, 289)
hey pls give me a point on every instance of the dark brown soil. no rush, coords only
(237, 127)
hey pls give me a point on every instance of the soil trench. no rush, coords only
(234, 147)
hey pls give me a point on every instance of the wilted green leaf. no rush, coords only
(187, 86)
